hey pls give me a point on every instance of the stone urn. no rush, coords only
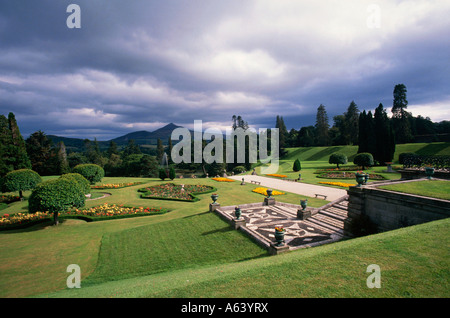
(269, 193)
(237, 212)
(214, 197)
(304, 204)
(429, 171)
(279, 236)
(360, 178)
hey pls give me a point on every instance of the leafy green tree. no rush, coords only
(92, 172)
(56, 196)
(84, 184)
(20, 180)
(364, 160)
(297, 165)
(306, 137)
(338, 159)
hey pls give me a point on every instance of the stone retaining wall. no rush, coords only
(389, 210)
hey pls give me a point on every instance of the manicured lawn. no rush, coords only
(189, 242)
(430, 188)
(411, 264)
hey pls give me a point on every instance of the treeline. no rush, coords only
(354, 127)
(39, 153)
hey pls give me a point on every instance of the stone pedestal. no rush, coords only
(213, 206)
(269, 201)
(237, 223)
(275, 250)
(304, 214)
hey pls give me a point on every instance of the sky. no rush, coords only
(139, 65)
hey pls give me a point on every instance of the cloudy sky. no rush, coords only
(138, 65)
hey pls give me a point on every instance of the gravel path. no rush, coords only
(295, 187)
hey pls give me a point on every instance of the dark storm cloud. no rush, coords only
(141, 64)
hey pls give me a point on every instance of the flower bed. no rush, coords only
(263, 191)
(339, 184)
(103, 212)
(223, 180)
(115, 185)
(9, 198)
(276, 175)
(348, 175)
(170, 191)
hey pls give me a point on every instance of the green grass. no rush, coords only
(430, 188)
(411, 263)
(188, 242)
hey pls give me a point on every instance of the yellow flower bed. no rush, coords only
(263, 191)
(223, 179)
(339, 184)
(276, 175)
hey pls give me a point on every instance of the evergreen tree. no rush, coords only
(400, 117)
(322, 127)
(63, 164)
(19, 149)
(7, 159)
(160, 150)
(305, 136)
(351, 123)
(384, 136)
(39, 149)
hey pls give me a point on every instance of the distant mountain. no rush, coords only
(141, 138)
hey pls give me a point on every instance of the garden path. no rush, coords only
(294, 187)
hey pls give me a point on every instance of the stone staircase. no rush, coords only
(332, 217)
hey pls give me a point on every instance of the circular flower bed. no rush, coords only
(170, 191)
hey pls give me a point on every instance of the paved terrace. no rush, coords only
(294, 187)
(258, 220)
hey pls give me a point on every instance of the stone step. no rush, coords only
(332, 214)
(327, 222)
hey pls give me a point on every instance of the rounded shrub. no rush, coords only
(338, 159)
(92, 172)
(172, 173)
(238, 169)
(57, 195)
(20, 180)
(363, 160)
(82, 181)
(297, 166)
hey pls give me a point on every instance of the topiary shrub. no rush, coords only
(162, 174)
(297, 166)
(82, 181)
(93, 173)
(338, 159)
(172, 173)
(363, 160)
(20, 180)
(55, 196)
